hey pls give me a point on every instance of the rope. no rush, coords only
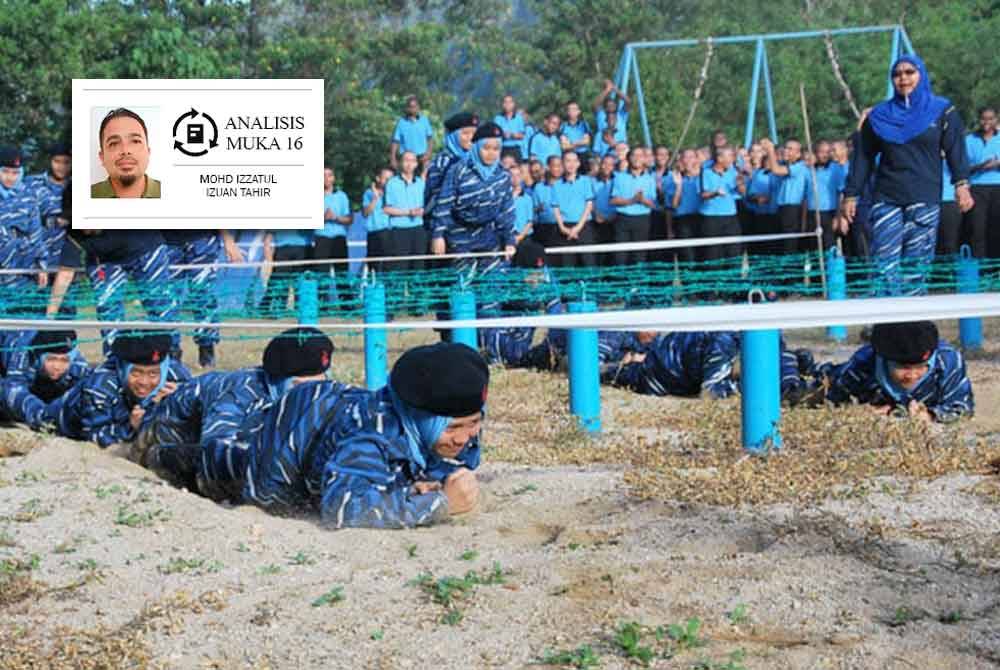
(702, 78)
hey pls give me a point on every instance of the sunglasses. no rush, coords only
(900, 73)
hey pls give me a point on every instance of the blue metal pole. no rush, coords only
(641, 100)
(836, 287)
(970, 330)
(770, 37)
(892, 59)
(584, 372)
(761, 390)
(907, 45)
(627, 72)
(769, 96)
(376, 375)
(758, 64)
(308, 300)
(620, 71)
(463, 306)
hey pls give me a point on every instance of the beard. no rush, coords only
(127, 180)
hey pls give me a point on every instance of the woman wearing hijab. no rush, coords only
(475, 207)
(398, 457)
(902, 141)
(458, 130)
(21, 238)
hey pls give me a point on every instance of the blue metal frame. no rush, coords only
(628, 67)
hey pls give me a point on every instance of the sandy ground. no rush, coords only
(104, 566)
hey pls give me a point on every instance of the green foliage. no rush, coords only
(331, 597)
(581, 657)
(628, 638)
(467, 53)
(685, 635)
(194, 565)
(450, 591)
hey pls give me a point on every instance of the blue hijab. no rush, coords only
(485, 171)
(896, 392)
(453, 145)
(6, 193)
(125, 368)
(421, 428)
(902, 118)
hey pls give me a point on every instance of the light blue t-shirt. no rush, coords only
(830, 180)
(602, 198)
(401, 194)
(292, 238)
(690, 202)
(512, 125)
(575, 133)
(542, 196)
(627, 184)
(378, 220)
(412, 134)
(622, 123)
(793, 185)
(543, 146)
(336, 201)
(571, 197)
(980, 151)
(763, 183)
(723, 204)
(524, 212)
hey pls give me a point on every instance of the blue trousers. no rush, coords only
(195, 289)
(151, 273)
(903, 240)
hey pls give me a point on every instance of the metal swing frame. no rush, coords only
(628, 67)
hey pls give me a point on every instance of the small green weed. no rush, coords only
(581, 657)
(128, 517)
(685, 636)
(103, 492)
(627, 639)
(448, 591)
(377, 635)
(26, 477)
(301, 558)
(196, 565)
(411, 551)
(469, 555)
(739, 615)
(331, 597)
(270, 569)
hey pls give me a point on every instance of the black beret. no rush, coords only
(298, 352)
(53, 341)
(461, 120)
(530, 254)
(487, 131)
(907, 343)
(445, 379)
(60, 149)
(142, 347)
(10, 157)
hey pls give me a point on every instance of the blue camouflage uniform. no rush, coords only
(683, 364)
(49, 195)
(97, 409)
(22, 247)
(197, 287)
(473, 212)
(346, 452)
(212, 410)
(25, 390)
(114, 257)
(612, 345)
(945, 390)
(511, 346)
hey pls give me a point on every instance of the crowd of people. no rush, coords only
(283, 435)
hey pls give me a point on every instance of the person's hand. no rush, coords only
(637, 197)
(421, 488)
(963, 195)
(135, 417)
(676, 176)
(61, 222)
(848, 210)
(762, 199)
(328, 214)
(608, 85)
(840, 225)
(462, 490)
(419, 211)
(234, 254)
(917, 410)
(509, 251)
(438, 246)
(43, 279)
(766, 144)
(864, 116)
(168, 388)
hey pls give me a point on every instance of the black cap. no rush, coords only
(530, 254)
(461, 120)
(53, 341)
(487, 131)
(60, 149)
(298, 352)
(141, 347)
(907, 343)
(446, 379)
(10, 157)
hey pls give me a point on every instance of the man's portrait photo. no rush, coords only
(124, 154)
